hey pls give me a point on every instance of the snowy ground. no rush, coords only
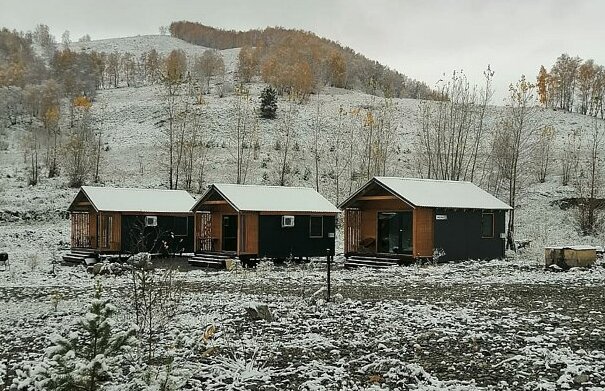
(473, 325)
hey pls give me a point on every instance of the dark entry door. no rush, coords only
(230, 233)
(395, 232)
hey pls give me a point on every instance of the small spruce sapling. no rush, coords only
(89, 355)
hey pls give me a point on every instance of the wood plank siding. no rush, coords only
(424, 230)
(352, 228)
(248, 233)
(109, 231)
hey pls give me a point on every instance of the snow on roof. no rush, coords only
(441, 194)
(274, 198)
(139, 200)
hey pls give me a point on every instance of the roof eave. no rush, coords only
(213, 187)
(83, 191)
(343, 204)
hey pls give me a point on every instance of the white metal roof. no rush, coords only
(139, 200)
(274, 198)
(441, 194)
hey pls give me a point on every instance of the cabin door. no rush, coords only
(394, 233)
(229, 233)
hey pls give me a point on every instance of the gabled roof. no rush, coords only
(114, 199)
(256, 198)
(432, 193)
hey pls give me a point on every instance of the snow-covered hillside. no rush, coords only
(499, 325)
(138, 45)
(163, 44)
(130, 118)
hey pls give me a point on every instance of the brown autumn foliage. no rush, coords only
(18, 63)
(277, 53)
(175, 67)
(573, 84)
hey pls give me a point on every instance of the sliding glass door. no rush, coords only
(394, 232)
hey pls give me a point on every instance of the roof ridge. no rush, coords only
(272, 186)
(133, 188)
(423, 179)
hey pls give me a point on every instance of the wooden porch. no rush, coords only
(215, 233)
(100, 232)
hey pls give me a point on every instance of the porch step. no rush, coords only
(371, 262)
(210, 260)
(79, 257)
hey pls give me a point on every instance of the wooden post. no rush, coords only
(329, 261)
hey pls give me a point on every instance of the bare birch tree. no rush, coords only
(286, 135)
(543, 152)
(589, 181)
(245, 132)
(452, 129)
(317, 138)
(515, 142)
(339, 145)
(569, 156)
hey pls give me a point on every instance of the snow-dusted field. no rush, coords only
(472, 325)
(466, 326)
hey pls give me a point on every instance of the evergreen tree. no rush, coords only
(268, 103)
(88, 355)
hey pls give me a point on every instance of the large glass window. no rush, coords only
(487, 225)
(395, 232)
(316, 227)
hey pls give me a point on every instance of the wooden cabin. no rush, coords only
(253, 222)
(408, 219)
(107, 220)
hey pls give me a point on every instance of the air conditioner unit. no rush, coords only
(287, 221)
(151, 221)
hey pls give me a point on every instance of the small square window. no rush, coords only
(316, 227)
(487, 225)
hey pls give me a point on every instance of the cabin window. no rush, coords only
(487, 225)
(316, 227)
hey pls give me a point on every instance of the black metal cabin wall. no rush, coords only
(460, 235)
(278, 242)
(175, 231)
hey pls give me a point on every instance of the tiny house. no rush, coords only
(107, 220)
(408, 219)
(252, 222)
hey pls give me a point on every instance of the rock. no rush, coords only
(97, 268)
(229, 264)
(581, 378)
(141, 261)
(338, 298)
(258, 311)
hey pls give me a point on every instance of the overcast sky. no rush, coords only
(423, 39)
